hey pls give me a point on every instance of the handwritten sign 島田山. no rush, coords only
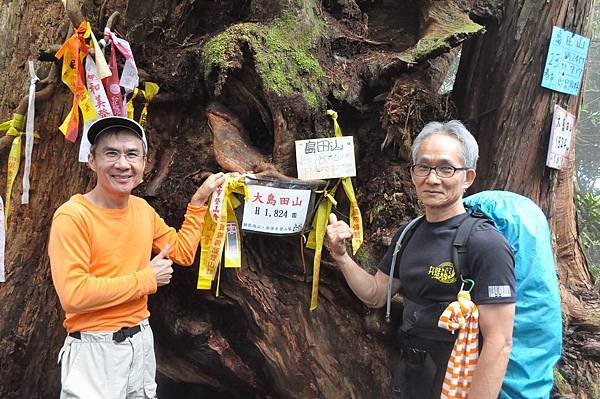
(275, 210)
(565, 62)
(326, 158)
(563, 125)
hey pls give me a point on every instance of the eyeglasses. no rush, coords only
(114, 156)
(443, 171)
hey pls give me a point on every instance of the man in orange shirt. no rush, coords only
(100, 248)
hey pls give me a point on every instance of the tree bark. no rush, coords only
(276, 66)
(498, 94)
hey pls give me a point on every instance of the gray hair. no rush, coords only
(454, 128)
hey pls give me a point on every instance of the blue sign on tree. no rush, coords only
(565, 62)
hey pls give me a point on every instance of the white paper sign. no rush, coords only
(2, 277)
(275, 210)
(326, 158)
(563, 125)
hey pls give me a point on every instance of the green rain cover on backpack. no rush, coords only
(537, 334)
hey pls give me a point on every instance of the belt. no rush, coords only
(118, 336)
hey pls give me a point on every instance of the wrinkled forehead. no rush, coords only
(440, 147)
(119, 138)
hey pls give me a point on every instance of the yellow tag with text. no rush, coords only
(14, 160)
(214, 232)
(14, 127)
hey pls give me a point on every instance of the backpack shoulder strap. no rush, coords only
(461, 238)
(405, 236)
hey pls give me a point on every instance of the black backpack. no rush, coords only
(459, 249)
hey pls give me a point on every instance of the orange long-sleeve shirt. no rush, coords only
(99, 259)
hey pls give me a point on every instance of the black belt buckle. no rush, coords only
(125, 332)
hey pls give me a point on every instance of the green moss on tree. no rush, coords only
(283, 54)
(450, 26)
(561, 384)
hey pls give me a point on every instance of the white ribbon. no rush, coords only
(29, 133)
(102, 68)
(2, 221)
(129, 79)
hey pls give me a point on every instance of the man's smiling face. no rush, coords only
(119, 162)
(437, 193)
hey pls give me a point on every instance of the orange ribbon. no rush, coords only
(72, 52)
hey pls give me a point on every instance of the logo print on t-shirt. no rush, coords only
(443, 273)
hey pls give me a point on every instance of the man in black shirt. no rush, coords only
(444, 158)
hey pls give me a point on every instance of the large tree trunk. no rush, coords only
(275, 66)
(31, 326)
(499, 95)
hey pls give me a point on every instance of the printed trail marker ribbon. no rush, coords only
(2, 242)
(112, 85)
(72, 53)
(14, 127)
(129, 78)
(96, 89)
(321, 219)
(218, 218)
(29, 133)
(461, 315)
(99, 99)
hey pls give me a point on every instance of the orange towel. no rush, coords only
(461, 315)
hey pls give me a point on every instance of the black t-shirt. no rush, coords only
(428, 276)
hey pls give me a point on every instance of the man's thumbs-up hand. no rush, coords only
(337, 234)
(161, 266)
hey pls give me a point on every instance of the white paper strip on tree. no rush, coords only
(275, 210)
(563, 126)
(29, 133)
(327, 158)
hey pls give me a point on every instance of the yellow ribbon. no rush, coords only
(355, 216)
(321, 219)
(14, 127)
(130, 103)
(356, 226)
(214, 233)
(316, 238)
(150, 90)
